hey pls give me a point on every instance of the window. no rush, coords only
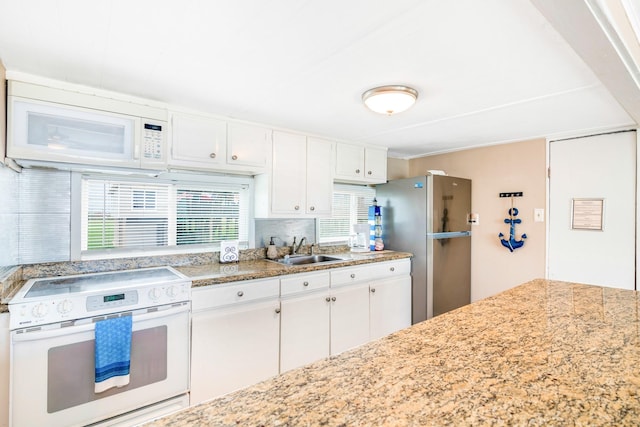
(128, 215)
(350, 206)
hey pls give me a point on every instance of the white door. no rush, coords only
(233, 347)
(389, 306)
(349, 317)
(304, 330)
(592, 214)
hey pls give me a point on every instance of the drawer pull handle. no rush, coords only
(312, 208)
(392, 269)
(240, 293)
(353, 275)
(369, 173)
(296, 207)
(357, 170)
(212, 155)
(305, 284)
(277, 311)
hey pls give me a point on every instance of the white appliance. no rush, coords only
(47, 124)
(52, 323)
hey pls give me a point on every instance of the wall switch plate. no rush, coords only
(538, 215)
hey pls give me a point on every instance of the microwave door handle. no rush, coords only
(136, 149)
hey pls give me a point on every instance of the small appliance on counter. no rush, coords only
(360, 241)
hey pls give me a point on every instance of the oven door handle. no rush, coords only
(88, 324)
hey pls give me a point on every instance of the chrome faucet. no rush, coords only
(294, 249)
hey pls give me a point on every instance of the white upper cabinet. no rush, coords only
(300, 182)
(248, 146)
(200, 142)
(359, 164)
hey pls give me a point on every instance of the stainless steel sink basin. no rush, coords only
(305, 259)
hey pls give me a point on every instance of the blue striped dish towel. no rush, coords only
(113, 353)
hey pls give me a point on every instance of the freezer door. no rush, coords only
(450, 273)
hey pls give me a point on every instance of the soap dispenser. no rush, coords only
(272, 252)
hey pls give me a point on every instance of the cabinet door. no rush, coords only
(304, 330)
(349, 161)
(319, 192)
(390, 306)
(349, 317)
(375, 162)
(247, 145)
(289, 168)
(4, 369)
(198, 141)
(233, 347)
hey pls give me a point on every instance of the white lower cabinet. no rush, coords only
(4, 369)
(245, 332)
(389, 306)
(304, 330)
(349, 317)
(235, 335)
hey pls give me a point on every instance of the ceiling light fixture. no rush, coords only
(390, 99)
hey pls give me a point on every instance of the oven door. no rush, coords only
(52, 369)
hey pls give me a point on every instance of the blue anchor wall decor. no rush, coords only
(512, 244)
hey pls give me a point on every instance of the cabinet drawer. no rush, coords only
(348, 275)
(373, 271)
(401, 267)
(304, 282)
(233, 293)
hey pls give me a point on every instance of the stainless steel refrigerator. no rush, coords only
(428, 216)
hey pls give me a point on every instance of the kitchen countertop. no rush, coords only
(543, 353)
(215, 273)
(201, 274)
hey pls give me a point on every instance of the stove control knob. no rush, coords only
(40, 310)
(172, 291)
(154, 294)
(65, 307)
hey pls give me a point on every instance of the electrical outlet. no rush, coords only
(538, 215)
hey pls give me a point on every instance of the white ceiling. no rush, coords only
(487, 71)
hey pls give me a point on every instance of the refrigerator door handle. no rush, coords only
(448, 235)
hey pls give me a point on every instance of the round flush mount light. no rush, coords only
(390, 99)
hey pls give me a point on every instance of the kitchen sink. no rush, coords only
(305, 259)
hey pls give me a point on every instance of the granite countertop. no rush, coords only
(201, 274)
(215, 273)
(543, 353)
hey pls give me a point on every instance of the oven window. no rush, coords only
(71, 369)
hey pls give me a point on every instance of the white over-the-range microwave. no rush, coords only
(72, 128)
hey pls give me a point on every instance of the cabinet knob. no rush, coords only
(373, 290)
(277, 311)
(297, 207)
(357, 170)
(353, 275)
(212, 155)
(234, 157)
(240, 293)
(327, 299)
(333, 298)
(312, 208)
(392, 269)
(305, 284)
(369, 173)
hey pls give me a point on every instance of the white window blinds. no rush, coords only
(350, 206)
(133, 215)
